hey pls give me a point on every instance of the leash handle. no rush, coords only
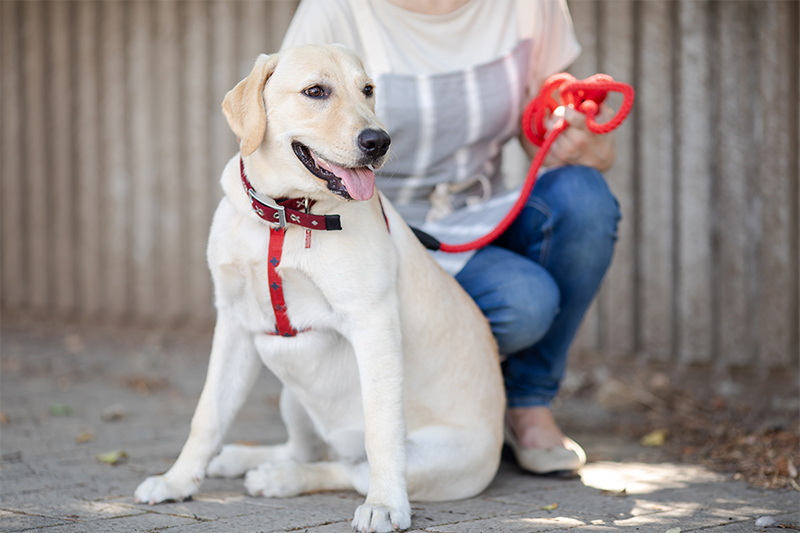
(585, 96)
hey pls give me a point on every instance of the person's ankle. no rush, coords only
(535, 427)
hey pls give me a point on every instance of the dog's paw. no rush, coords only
(275, 480)
(232, 461)
(381, 518)
(157, 489)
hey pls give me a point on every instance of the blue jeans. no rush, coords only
(535, 282)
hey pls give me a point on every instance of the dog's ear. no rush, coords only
(243, 106)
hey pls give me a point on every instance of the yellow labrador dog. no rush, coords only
(391, 383)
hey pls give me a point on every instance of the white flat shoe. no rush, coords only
(562, 460)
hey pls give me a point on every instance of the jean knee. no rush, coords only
(531, 305)
(580, 199)
(584, 213)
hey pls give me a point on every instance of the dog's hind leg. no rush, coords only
(304, 445)
(290, 478)
(449, 463)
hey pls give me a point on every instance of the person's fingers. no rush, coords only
(575, 118)
(570, 145)
(578, 145)
(555, 116)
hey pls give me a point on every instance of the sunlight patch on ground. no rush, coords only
(641, 478)
(107, 509)
(526, 524)
(220, 498)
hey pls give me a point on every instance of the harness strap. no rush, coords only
(283, 325)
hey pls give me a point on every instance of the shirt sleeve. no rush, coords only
(555, 45)
(323, 22)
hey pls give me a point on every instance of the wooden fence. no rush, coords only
(113, 141)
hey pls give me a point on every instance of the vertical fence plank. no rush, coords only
(584, 19)
(143, 165)
(168, 101)
(224, 76)
(584, 16)
(12, 269)
(280, 15)
(694, 276)
(35, 170)
(196, 176)
(656, 132)
(60, 165)
(734, 168)
(87, 152)
(115, 180)
(253, 15)
(778, 284)
(618, 298)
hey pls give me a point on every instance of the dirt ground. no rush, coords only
(743, 422)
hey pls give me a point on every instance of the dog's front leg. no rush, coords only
(378, 350)
(232, 370)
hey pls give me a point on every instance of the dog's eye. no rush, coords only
(368, 90)
(315, 92)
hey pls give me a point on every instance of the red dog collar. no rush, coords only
(287, 210)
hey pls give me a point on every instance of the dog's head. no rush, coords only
(310, 110)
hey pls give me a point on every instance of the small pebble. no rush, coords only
(766, 521)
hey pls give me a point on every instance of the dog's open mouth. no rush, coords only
(349, 183)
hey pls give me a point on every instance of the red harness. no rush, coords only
(281, 212)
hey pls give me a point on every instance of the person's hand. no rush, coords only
(577, 145)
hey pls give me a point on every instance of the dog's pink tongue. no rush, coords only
(360, 182)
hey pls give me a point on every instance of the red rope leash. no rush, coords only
(585, 96)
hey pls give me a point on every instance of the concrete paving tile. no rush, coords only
(257, 524)
(748, 526)
(206, 506)
(310, 510)
(557, 491)
(97, 478)
(586, 503)
(67, 507)
(685, 518)
(732, 526)
(141, 523)
(10, 521)
(345, 527)
(433, 514)
(268, 520)
(643, 478)
(735, 497)
(522, 523)
(510, 479)
(234, 511)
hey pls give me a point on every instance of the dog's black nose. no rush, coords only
(374, 143)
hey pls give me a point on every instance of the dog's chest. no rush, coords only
(258, 300)
(244, 287)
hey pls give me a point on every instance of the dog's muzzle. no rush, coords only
(350, 183)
